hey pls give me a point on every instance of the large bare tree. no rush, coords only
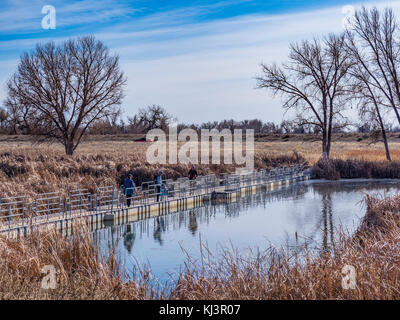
(373, 41)
(369, 99)
(313, 82)
(68, 87)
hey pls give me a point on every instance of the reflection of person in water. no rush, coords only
(129, 238)
(159, 228)
(192, 222)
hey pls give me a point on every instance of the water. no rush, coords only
(315, 210)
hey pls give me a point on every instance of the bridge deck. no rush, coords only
(142, 208)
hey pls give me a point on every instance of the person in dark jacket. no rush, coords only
(192, 173)
(129, 189)
(192, 176)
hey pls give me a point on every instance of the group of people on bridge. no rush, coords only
(160, 186)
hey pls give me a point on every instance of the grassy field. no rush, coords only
(28, 168)
(345, 146)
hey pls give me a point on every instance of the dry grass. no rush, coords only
(30, 169)
(374, 251)
(81, 272)
(105, 160)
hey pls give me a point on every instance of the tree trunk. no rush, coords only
(325, 153)
(14, 128)
(328, 144)
(383, 131)
(382, 125)
(330, 124)
(386, 145)
(69, 147)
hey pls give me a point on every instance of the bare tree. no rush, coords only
(369, 99)
(313, 83)
(372, 40)
(68, 87)
(153, 117)
(22, 117)
(4, 117)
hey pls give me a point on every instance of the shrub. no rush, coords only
(332, 169)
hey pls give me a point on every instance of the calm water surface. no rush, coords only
(315, 210)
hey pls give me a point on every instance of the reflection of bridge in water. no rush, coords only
(191, 219)
(321, 232)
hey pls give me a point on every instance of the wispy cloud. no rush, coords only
(200, 70)
(21, 17)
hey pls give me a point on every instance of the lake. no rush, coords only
(309, 212)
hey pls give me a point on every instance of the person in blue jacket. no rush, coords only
(129, 189)
(158, 181)
(163, 191)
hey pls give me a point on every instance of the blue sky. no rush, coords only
(196, 58)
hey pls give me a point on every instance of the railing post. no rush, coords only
(36, 206)
(23, 212)
(112, 198)
(95, 204)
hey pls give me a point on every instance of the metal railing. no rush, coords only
(13, 209)
(16, 211)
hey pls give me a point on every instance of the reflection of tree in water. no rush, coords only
(158, 229)
(324, 228)
(192, 222)
(327, 222)
(326, 190)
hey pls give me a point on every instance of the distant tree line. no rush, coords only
(157, 117)
(136, 126)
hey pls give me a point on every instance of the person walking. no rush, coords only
(192, 173)
(163, 191)
(158, 183)
(129, 189)
(192, 176)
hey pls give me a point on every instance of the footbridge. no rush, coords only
(108, 204)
